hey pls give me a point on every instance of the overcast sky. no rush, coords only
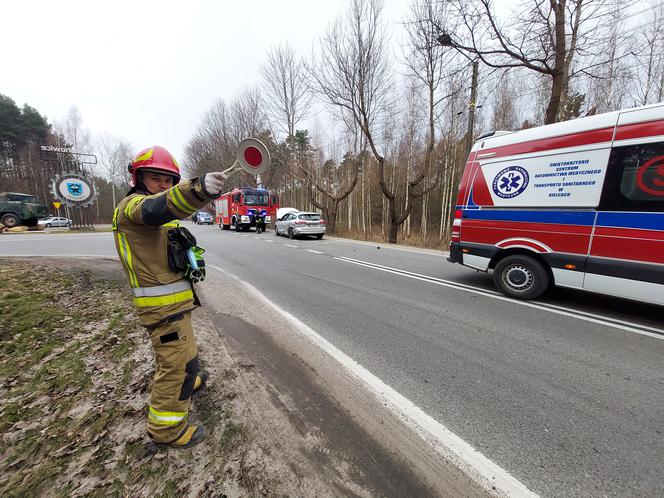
(148, 70)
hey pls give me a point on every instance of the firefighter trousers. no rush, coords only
(176, 366)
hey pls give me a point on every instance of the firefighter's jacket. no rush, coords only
(140, 226)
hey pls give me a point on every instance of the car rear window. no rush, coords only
(310, 217)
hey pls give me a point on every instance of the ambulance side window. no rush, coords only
(635, 179)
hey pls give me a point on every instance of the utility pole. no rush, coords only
(471, 109)
(445, 39)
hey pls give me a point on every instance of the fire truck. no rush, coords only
(239, 208)
(577, 204)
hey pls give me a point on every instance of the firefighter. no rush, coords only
(144, 223)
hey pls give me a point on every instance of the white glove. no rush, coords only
(214, 182)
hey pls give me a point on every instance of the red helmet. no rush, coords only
(155, 159)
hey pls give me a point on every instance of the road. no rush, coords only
(566, 393)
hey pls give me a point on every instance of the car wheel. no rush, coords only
(48, 225)
(10, 220)
(291, 235)
(67, 224)
(521, 277)
(276, 231)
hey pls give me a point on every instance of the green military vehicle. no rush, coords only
(20, 209)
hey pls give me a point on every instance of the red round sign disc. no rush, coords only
(253, 157)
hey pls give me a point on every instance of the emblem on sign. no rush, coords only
(510, 182)
(73, 189)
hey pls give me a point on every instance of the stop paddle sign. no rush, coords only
(253, 156)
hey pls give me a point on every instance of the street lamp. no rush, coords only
(445, 40)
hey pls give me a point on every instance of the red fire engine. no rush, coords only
(241, 207)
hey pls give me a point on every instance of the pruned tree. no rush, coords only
(430, 63)
(330, 183)
(288, 97)
(353, 73)
(544, 36)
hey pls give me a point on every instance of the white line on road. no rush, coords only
(291, 245)
(451, 447)
(551, 308)
(52, 238)
(315, 252)
(268, 240)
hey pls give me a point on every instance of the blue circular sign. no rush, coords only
(510, 182)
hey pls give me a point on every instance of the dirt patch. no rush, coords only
(75, 376)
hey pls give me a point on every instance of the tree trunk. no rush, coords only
(552, 109)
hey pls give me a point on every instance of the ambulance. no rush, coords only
(577, 204)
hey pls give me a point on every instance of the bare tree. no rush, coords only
(248, 117)
(610, 83)
(214, 145)
(287, 93)
(353, 74)
(505, 110)
(288, 96)
(649, 74)
(114, 155)
(74, 132)
(545, 36)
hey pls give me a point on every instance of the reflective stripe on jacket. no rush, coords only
(140, 226)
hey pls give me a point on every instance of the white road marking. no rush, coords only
(451, 447)
(291, 245)
(53, 238)
(315, 252)
(68, 255)
(551, 308)
(268, 240)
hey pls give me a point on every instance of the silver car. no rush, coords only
(55, 221)
(299, 224)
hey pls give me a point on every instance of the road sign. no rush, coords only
(57, 204)
(74, 189)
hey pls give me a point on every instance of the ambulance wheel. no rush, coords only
(521, 277)
(224, 227)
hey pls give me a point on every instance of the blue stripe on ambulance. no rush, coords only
(586, 218)
(643, 221)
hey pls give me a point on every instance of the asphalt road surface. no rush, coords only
(565, 393)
